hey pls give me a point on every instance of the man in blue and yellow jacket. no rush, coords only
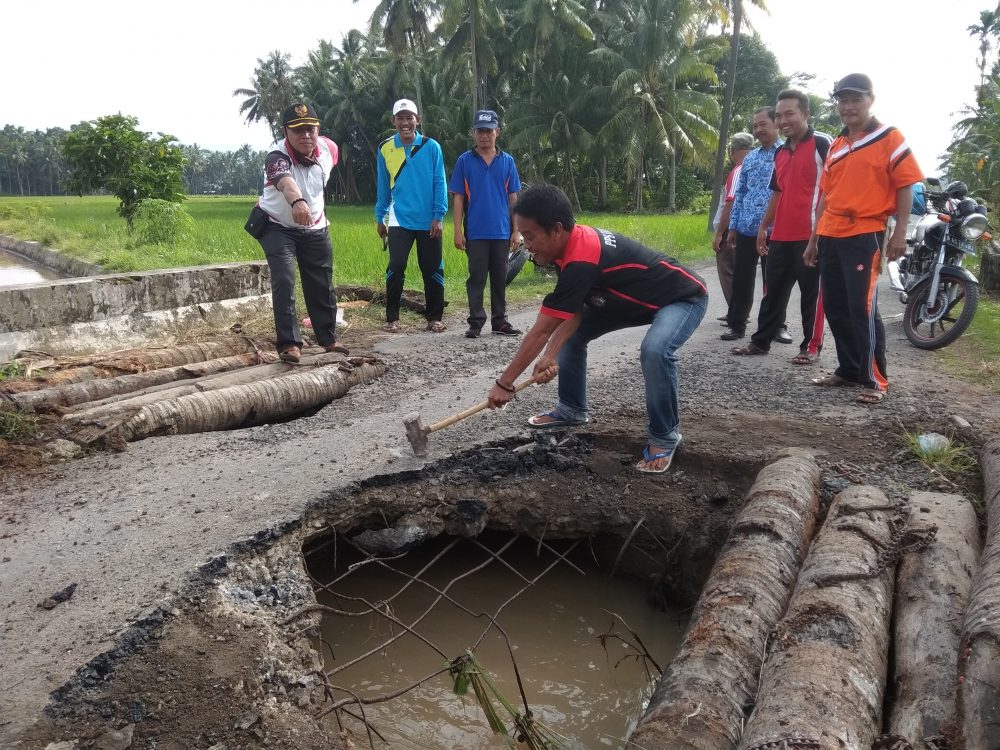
(411, 204)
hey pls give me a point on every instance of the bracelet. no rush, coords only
(297, 200)
(510, 389)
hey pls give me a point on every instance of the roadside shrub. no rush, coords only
(701, 203)
(161, 222)
(25, 211)
(11, 370)
(17, 426)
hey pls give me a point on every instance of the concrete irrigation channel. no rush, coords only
(211, 568)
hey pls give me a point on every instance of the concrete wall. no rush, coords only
(37, 252)
(115, 311)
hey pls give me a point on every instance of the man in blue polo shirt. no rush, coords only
(485, 184)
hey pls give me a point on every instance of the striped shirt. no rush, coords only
(860, 180)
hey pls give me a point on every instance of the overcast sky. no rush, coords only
(174, 66)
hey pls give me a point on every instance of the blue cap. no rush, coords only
(486, 119)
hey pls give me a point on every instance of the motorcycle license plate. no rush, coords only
(962, 244)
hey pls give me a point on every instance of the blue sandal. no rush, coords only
(650, 457)
(553, 420)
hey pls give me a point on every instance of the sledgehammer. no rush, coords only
(417, 433)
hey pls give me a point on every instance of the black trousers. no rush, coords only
(312, 250)
(487, 258)
(745, 260)
(849, 268)
(784, 269)
(431, 260)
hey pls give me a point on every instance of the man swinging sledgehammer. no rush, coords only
(606, 282)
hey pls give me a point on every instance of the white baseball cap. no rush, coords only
(404, 105)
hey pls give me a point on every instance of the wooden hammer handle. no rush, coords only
(477, 408)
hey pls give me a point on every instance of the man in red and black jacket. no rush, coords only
(606, 282)
(791, 214)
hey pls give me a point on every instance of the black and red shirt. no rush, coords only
(616, 276)
(796, 176)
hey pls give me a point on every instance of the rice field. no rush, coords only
(89, 228)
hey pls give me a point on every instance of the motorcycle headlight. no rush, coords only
(973, 226)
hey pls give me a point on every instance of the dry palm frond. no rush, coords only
(528, 732)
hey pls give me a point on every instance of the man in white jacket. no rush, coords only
(296, 230)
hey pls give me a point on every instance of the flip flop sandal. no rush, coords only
(391, 327)
(805, 358)
(551, 419)
(870, 396)
(436, 326)
(750, 350)
(831, 380)
(650, 457)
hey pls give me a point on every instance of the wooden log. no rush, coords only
(78, 369)
(410, 299)
(932, 590)
(979, 655)
(823, 681)
(701, 699)
(244, 405)
(213, 381)
(70, 394)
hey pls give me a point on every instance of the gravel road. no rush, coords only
(128, 527)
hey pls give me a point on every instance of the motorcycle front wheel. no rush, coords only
(932, 324)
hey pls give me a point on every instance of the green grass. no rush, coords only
(17, 426)
(976, 355)
(948, 458)
(11, 370)
(90, 229)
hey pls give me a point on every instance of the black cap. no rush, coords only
(299, 115)
(854, 82)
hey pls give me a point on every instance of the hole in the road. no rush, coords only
(550, 580)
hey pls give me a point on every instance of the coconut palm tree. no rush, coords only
(272, 88)
(656, 114)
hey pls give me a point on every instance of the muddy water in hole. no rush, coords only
(573, 687)
(15, 270)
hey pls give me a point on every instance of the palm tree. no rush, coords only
(552, 126)
(273, 87)
(473, 25)
(723, 10)
(402, 24)
(656, 113)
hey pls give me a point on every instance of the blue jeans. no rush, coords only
(671, 327)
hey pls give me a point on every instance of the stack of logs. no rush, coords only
(789, 645)
(128, 395)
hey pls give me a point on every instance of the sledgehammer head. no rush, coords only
(416, 433)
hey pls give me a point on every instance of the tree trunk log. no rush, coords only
(210, 382)
(932, 589)
(700, 702)
(823, 682)
(244, 405)
(113, 364)
(410, 300)
(979, 657)
(89, 391)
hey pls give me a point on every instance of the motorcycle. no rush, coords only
(940, 295)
